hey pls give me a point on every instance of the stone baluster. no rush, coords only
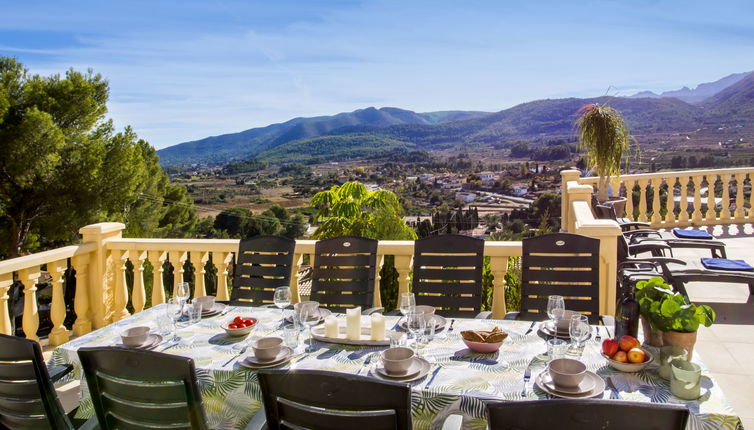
(83, 324)
(120, 297)
(58, 334)
(157, 260)
(683, 205)
(498, 268)
(656, 216)
(224, 260)
(199, 261)
(629, 199)
(138, 293)
(670, 203)
(696, 216)
(298, 260)
(403, 266)
(643, 200)
(739, 213)
(6, 280)
(29, 277)
(377, 301)
(725, 204)
(177, 259)
(711, 214)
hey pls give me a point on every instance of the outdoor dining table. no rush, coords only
(459, 381)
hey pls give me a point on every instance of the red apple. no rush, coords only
(627, 342)
(620, 356)
(609, 347)
(635, 355)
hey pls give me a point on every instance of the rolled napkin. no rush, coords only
(331, 326)
(378, 327)
(353, 323)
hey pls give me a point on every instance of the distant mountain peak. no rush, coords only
(698, 94)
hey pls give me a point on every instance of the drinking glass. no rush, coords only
(555, 307)
(579, 329)
(309, 318)
(408, 303)
(282, 299)
(174, 310)
(290, 335)
(556, 348)
(415, 323)
(182, 292)
(194, 311)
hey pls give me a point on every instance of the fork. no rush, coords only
(243, 350)
(598, 338)
(527, 377)
(453, 320)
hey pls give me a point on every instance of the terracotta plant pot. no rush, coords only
(651, 337)
(677, 338)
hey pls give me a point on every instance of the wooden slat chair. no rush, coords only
(263, 263)
(132, 388)
(315, 399)
(344, 273)
(562, 264)
(588, 414)
(27, 396)
(447, 274)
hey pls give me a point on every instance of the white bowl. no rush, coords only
(630, 367)
(238, 331)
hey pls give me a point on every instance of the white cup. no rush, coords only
(135, 336)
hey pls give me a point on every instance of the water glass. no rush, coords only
(408, 303)
(397, 339)
(556, 348)
(428, 333)
(416, 324)
(174, 310)
(555, 307)
(194, 311)
(290, 335)
(685, 379)
(667, 355)
(282, 298)
(309, 317)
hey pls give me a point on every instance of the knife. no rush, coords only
(239, 354)
(434, 373)
(531, 327)
(527, 375)
(614, 393)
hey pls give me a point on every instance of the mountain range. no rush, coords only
(371, 131)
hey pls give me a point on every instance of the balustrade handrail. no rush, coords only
(668, 174)
(44, 257)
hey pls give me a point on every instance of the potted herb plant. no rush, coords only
(606, 141)
(671, 313)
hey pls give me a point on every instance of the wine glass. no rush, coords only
(282, 299)
(309, 317)
(174, 309)
(408, 303)
(579, 329)
(415, 324)
(182, 292)
(555, 308)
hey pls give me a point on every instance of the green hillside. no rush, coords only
(332, 148)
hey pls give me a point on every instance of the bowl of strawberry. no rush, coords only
(239, 326)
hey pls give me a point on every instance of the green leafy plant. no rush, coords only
(604, 137)
(668, 310)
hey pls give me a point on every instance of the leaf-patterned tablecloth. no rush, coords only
(232, 395)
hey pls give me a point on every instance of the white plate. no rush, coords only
(152, 341)
(599, 387)
(322, 314)
(413, 369)
(548, 329)
(422, 372)
(285, 354)
(318, 333)
(439, 321)
(216, 309)
(586, 385)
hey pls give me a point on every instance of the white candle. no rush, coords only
(378, 327)
(353, 323)
(331, 326)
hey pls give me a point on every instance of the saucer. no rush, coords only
(548, 329)
(439, 321)
(422, 364)
(152, 341)
(413, 369)
(586, 385)
(284, 354)
(216, 309)
(597, 390)
(323, 312)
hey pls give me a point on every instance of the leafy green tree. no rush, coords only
(64, 166)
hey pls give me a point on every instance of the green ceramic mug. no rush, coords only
(685, 379)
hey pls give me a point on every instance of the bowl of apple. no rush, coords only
(626, 354)
(239, 326)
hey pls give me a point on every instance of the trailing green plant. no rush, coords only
(606, 141)
(668, 310)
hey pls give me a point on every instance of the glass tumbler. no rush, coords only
(290, 335)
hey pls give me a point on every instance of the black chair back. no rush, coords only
(588, 414)
(314, 399)
(27, 396)
(263, 263)
(132, 388)
(560, 264)
(344, 272)
(448, 274)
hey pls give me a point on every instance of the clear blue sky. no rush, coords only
(184, 70)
